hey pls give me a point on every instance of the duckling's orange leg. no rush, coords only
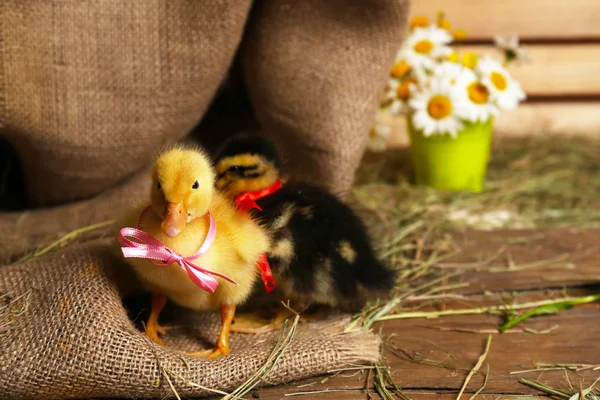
(252, 326)
(222, 345)
(316, 316)
(152, 327)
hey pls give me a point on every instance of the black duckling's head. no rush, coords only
(246, 163)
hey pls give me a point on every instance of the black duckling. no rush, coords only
(321, 252)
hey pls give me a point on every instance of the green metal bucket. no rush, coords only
(447, 163)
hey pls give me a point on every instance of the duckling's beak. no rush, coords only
(175, 219)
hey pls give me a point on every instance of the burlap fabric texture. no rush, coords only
(66, 334)
(89, 90)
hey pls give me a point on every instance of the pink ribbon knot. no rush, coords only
(148, 247)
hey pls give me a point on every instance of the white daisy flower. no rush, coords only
(449, 71)
(505, 91)
(438, 108)
(420, 77)
(481, 107)
(398, 107)
(378, 137)
(424, 45)
(391, 89)
(396, 96)
(510, 47)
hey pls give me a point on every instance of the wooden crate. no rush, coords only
(563, 40)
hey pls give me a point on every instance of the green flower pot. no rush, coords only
(447, 163)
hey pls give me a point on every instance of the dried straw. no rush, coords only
(10, 311)
(281, 346)
(545, 181)
(476, 367)
(64, 240)
(538, 182)
(500, 309)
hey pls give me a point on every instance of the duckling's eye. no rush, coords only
(158, 185)
(196, 185)
(235, 168)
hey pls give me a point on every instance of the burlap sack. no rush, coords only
(89, 90)
(315, 71)
(22, 232)
(64, 333)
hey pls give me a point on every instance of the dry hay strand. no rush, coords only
(11, 309)
(540, 367)
(531, 182)
(535, 182)
(547, 182)
(475, 369)
(589, 393)
(77, 235)
(283, 341)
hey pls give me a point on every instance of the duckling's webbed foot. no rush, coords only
(153, 329)
(222, 346)
(246, 322)
(312, 317)
(210, 353)
(254, 326)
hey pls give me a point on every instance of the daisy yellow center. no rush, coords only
(400, 69)
(423, 46)
(419, 22)
(460, 34)
(439, 106)
(498, 80)
(478, 93)
(403, 90)
(469, 60)
(444, 24)
(453, 57)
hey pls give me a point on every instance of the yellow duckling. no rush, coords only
(182, 201)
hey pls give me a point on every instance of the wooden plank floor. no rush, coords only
(454, 343)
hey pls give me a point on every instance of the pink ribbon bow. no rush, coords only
(146, 246)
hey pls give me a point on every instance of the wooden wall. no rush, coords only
(563, 40)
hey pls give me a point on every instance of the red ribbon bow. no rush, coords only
(246, 202)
